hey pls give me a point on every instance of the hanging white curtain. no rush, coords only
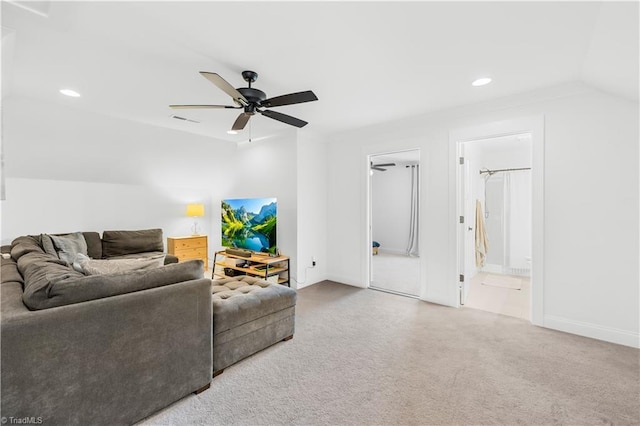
(517, 217)
(412, 246)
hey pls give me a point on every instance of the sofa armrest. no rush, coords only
(113, 360)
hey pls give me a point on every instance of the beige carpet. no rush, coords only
(362, 357)
(503, 281)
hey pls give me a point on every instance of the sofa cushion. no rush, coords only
(69, 246)
(47, 245)
(94, 244)
(46, 287)
(111, 266)
(9, 272)
(117, 243)
(25, 245)
(168, 258)
(239, 300)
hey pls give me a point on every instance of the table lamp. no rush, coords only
(195, 210)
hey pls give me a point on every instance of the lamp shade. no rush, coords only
(195, 210)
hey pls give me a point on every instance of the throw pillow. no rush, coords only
(69, 246)
(47, 245)
(112, 266)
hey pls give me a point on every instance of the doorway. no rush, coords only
(394, 207)
(496, 192)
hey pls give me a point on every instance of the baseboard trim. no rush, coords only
(343, 280)
(303, 285)
(594, 331)
(392, 251)
(441, 302)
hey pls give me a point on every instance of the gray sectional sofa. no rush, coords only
(100, 349)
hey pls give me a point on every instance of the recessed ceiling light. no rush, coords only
(232, 132)
(69, 92)
(481, 81)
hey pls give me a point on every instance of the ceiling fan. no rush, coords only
(253, 100)
(379, 167)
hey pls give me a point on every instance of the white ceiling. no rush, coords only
(368, 62)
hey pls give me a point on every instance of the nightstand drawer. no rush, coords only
(190, 243)
(198, 253)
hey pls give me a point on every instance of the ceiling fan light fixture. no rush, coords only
(481, 81)
(253, 101)
(69, 92)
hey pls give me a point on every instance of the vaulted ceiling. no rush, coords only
(368, 62)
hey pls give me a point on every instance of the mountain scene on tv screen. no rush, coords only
(249, 224)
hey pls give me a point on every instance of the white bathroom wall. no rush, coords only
(391, 208)
(505, 152)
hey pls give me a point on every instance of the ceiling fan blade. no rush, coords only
(203, 107)
(284, 118)
(225, 87)
(384, 165)
(241, 121)
(291, 98)
(378, 168)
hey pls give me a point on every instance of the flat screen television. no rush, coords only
(250, 223)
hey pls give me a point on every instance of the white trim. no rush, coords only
(436, 301)
(344, 280)
(535, 126)
(594, 331)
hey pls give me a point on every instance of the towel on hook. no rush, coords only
(482, 242)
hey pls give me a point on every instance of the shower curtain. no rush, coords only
(517, 221)
(412, 246)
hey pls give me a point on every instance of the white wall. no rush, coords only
(312, 209)
(590, 200)
(268, 168)
(391, 208)
(70, 170)
(35, 206)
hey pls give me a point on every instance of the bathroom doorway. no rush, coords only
(394, 214)
(497, 199)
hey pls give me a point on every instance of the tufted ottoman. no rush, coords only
(249, 314)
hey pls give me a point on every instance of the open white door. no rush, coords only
(466, 246)
(468, 229)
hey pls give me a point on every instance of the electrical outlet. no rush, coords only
(313, 261)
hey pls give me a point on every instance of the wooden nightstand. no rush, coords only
(187, 248)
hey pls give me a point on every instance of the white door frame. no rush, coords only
(535, 126)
